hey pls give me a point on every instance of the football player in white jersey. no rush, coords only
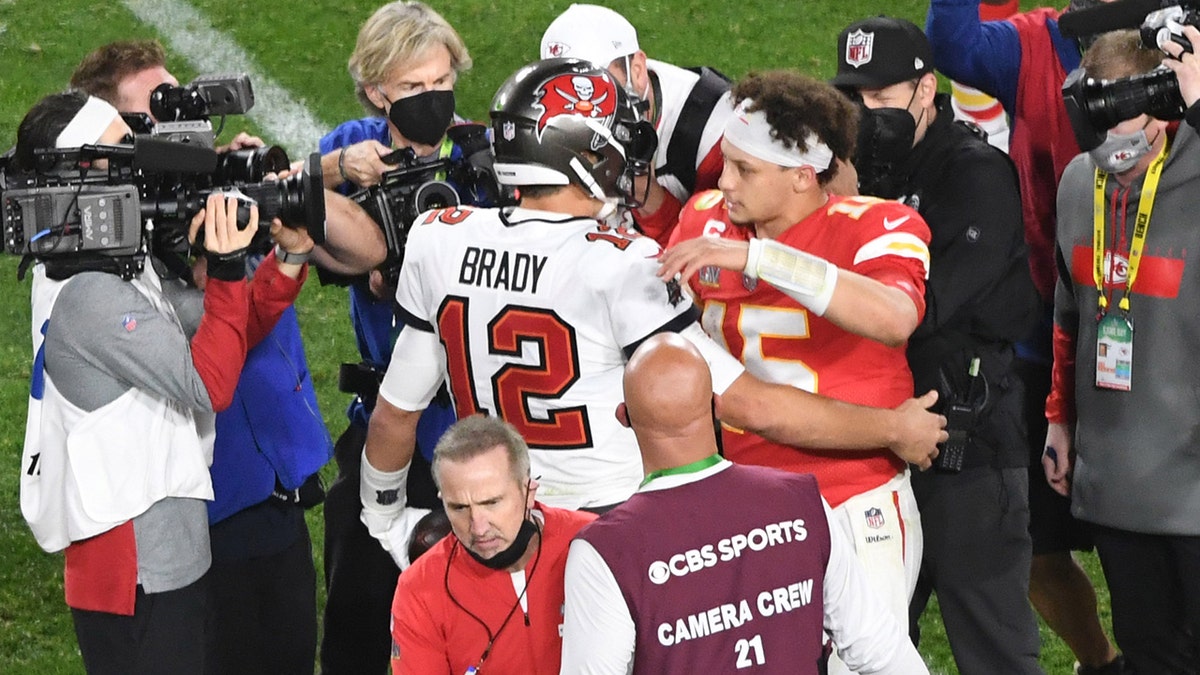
(530, 313)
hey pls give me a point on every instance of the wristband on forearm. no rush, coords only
(227, 266)
(342, 164)
(801, 276)
(383, 492)
(291, 258)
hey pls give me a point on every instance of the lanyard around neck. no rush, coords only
(1141, 225)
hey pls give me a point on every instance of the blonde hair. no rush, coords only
(396, 35)
(1119, 54)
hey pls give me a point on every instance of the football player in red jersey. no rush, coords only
(816, 291)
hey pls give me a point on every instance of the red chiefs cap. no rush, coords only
(881, 51)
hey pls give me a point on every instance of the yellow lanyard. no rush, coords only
(443, 153)
(1145, 206)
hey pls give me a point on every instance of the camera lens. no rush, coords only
(249, 165)
(1156, 93)
(434, 195)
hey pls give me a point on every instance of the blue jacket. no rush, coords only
(375, 326)
(273, 429)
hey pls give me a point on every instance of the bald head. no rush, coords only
(668, 400)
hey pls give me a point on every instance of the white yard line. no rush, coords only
(282, 118)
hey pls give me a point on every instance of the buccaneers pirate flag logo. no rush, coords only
(591, 96)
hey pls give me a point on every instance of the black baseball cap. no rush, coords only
(881, 51)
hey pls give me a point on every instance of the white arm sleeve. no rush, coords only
(867, 635)
(417, 369)
(598, 632)
(723, 366)
(801, 276)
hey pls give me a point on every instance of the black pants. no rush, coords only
(360, 577)
(1154, 585)
(265, 606)
(168, 634)
(977, 556)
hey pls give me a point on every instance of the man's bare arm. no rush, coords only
(353, 243)
(798, 418)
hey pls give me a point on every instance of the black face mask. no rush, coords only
(885, 136)
(423, 118)
(509, 556)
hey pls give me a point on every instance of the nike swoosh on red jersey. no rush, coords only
(889, 224)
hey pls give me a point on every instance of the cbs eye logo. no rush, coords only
(659, 572)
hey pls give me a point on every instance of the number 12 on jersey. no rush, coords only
(514, 384)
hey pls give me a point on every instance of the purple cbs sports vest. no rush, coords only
(722, 574)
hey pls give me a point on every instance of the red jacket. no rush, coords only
(446, 598)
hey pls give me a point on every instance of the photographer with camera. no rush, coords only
(1122, 436)
(272, 441)
(404, 65)
(979, 301)
(127, 373)
(1022, 60)
(130, 74)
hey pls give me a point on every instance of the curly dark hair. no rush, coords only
(796, 105)
(103, 69)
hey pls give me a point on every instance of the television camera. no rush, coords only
(417, 185)
(184, 113)
(1094, 106)
(74, 215)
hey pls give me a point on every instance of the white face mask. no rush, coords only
(1120, 152)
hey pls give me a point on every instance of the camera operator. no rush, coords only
(271, 443)
(1122, 437)
(126, 73)
(404, 65)
(1022, 60)
(126, 377)
(980, 300)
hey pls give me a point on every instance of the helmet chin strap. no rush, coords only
(609, 204)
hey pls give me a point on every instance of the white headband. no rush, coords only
(88, 124)
(751, 133)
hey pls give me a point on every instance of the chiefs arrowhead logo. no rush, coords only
(591, 96)
(557, 49)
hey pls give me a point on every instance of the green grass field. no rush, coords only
(303, 46)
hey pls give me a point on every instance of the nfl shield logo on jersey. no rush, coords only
(509, 131)
(859, 48)
(874, 518)
(749, 283)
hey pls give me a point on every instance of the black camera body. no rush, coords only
(417, 185)
(1095, 106)
(78, 217)
(1163, 25)
(183, 112)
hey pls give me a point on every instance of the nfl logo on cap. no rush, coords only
(859, 48)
